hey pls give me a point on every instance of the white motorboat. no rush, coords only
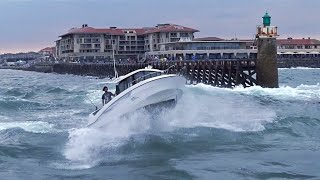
(139, 89)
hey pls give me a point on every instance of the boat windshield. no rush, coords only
(134, 79)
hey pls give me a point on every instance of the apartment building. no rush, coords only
(91, 43)
(204, 48)
(303, 43)
(166, 33)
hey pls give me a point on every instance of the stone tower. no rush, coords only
(267, 67)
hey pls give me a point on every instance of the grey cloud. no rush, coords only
(33, 24)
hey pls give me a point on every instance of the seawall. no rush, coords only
(301, 62)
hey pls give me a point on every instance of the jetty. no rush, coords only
(221, 73)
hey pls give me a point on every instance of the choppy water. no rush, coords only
(213, 133)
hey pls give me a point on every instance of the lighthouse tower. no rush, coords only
(266, 30)
(267, 67)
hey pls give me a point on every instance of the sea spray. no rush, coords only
(86, 144)
(217, 110)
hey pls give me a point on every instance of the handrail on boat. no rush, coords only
(144, 77)
(150, 75)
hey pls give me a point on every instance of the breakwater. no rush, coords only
(222, 73)
(299, 62)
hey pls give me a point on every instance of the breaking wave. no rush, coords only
(201, 106)
(29, 126)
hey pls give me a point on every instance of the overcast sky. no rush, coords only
(34, 24)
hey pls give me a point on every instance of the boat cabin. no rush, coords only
(124, 82)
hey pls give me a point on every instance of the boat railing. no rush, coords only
(144, 77)
(167, 70)
(150, 75)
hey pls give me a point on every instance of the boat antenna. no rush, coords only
(167, 70)
(92, 102)
(114, 62)
(96, 107)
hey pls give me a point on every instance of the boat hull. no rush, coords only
(154, 91)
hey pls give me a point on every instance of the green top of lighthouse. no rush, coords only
(266, 20)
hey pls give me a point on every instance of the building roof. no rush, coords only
(138, 31)
(289, 41)
(208, 39)
(203, 42)
(169, 28)
(302, 41)
(111, 31)
(48, 49)
(266, 15)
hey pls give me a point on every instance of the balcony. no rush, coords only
(85, 46)
(108, 47)
(87, 41)
(173, 35)
(124, 43)
(97, 46)
(174, 39)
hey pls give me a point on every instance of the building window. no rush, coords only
(133, 38)
(173, 34)
(184, 35)
(289, 46)
(96, 40)
(87, 40)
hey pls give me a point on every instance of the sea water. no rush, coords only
(212, 133)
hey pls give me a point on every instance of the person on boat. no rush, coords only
(107, 96)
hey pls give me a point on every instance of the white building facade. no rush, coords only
(91, 43)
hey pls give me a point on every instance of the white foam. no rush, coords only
(220, 111)
(71, 166)
(299, 68)
(107, 81)
(4, 118)
(301, 92)
(29, 126)
(85, 145)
